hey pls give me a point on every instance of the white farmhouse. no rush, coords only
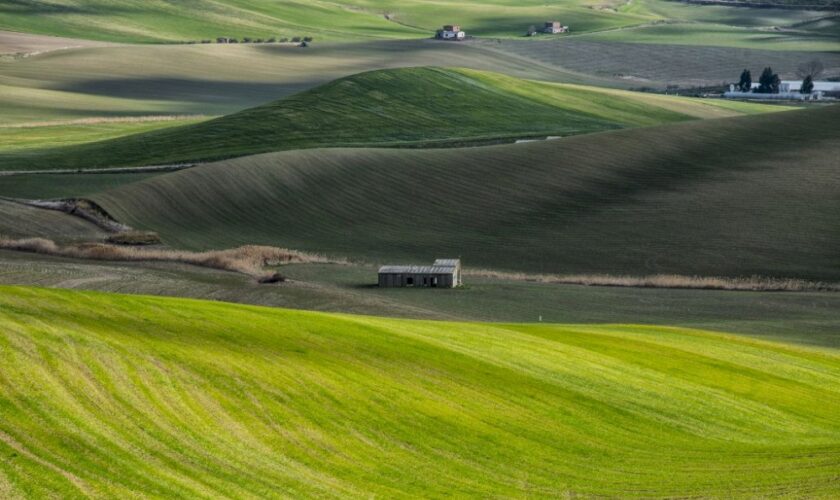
(788, 90)
(794, 85)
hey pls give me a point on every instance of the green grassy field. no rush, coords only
(734, 196)
(139, 80)
(409, 106)
(21, 140)
(124, 21)
(184, 398)
(808, 318)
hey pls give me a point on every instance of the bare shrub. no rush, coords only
(751, 283)
(248, 259)
(272, 278)
(134, 238)
(813, 68)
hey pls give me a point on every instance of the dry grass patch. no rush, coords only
(99, 120)
(751, 283)
(248, 259)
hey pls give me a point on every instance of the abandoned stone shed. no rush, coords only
(444, 273)
(555, 27)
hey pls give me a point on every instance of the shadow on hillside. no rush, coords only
(188, 89)
(30, 8)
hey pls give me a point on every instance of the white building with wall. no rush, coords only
(788, 90)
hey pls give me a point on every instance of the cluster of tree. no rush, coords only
(247, 39)
(768, 82)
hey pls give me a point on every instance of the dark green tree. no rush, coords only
(745, 83)
(768, 82)
(807, 85)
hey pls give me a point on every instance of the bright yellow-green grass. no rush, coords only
(626, 107)
(116, 396)
(405, 106)
(19, 139)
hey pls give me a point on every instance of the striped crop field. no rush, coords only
(731, 37)
(727, 197)
(407, 106)
(115, 396)
(655, 64)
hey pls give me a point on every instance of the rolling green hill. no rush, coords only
(125, 21)
(341, 20)
(142, 80)
(388, 107)
(110, 395)
(734, 196)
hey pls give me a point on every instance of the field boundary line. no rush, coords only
(107, 170)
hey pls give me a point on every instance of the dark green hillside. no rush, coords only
(787, 4)
(386, 107)
(22, 221)
(738, 196)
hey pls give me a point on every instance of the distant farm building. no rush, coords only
(794, 86)
(555, 27)
(444, 273)
(788, 90)
(451, 32)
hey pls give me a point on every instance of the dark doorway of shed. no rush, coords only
(409, 282)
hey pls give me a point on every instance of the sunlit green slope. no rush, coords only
(127, 21)
(113, 396)
(342, 20)
(409, 106)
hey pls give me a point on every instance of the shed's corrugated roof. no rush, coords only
(417, 270)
